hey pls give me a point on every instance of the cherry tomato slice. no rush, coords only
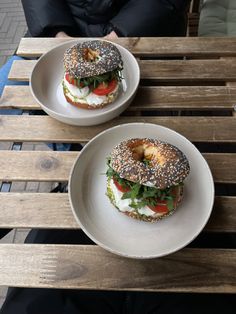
(120, 187)
(161, 206)
(72, 80)
(105, 88)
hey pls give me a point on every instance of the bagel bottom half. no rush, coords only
(135, 214)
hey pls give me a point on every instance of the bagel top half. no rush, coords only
(92, 58)
(165, 165)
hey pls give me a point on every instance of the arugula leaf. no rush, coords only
(170, 204)
(126, 195)
(150, 192)
(135, 190)
(94, 81)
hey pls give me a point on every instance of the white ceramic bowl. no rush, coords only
(123, 235)
(45, 84)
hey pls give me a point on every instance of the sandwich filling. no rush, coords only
(94, 91)
(84, 95)
(140, 199)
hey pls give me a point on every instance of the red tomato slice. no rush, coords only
(161, 207)
(120, 187)
(72, 80)
(105, 88)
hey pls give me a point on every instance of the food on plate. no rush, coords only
(145, 178)
(92, 74)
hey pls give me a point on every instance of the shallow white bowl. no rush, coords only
(45, 84)
(123, 235)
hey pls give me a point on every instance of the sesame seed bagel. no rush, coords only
(103, 57)
(167, 165)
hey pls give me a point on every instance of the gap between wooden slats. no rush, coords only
(159, 70)
(56, 166)
(49, 210)
(91, 267)
(47, 129)
(147, 98)
(162, 46)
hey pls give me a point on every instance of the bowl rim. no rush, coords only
(95, 113)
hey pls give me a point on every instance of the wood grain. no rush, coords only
(36, 210)
(45, 129)
(53, 211)
(147, 98)
(223, 216)
(36, 165)
(56, 166)
(90, 267)
(158, 70)
(158, 46)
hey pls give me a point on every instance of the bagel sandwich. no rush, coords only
(92, 74)
(145, 178)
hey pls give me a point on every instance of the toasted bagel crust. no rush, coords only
(168, 165)
(78, 67)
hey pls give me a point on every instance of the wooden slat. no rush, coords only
(52, 210)
(223, 217)
(36, 210)
(90, 267)
(47, 129)
(36, 165)
(21, 70)
(147, 98)
(162, 46)
(171, 70)
(56, 166)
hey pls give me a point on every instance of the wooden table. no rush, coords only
(187, 84)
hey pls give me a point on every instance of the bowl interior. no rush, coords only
(48, 73)
(123, 235)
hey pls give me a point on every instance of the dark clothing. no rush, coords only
(49, 301)
(97, 18)
(58, 301)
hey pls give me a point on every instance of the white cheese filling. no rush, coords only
(85, 96)
(123, 205)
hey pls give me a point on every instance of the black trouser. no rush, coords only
(58, 301)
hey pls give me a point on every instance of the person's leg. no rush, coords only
(58, 237)
(181, 303)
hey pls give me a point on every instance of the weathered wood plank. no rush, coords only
(47, 129)
(223, 216)
(36, 165)
(36, 210)
(147, 98)
(50, 210)
(90, 267)
(159, 70)
(21, 70)
(56, 166)
(162, 46)
(220, 163)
